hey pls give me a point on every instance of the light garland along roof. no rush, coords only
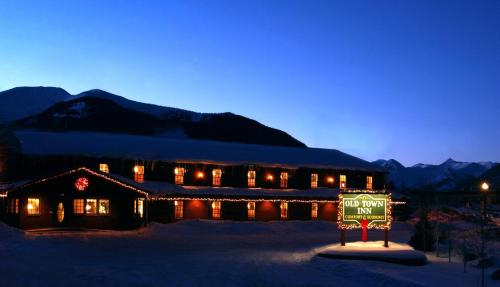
(186, 151)
(98, 174)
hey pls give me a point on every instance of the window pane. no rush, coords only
(179, 175)
(251, 210)
(179, 209)
(91, 206)
(314, 180)
(103, 206)
(104, 167)
(216, 177)
(251, 178)
(284, 210)
(314, 210)
(284, 180)
(140, 207)
(78, 206)
(216, 209)
(33, 206)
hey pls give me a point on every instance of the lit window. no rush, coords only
(216, 210)
(139, 207)
(343, 181)
(139, 173)
(251, 178)
(284, 209)
(330, 180)
(284, 180)
(179, 209)
(78, 206)
(314, 210)
(314, 180)
(33, 206)
(251, 209)
(179, 175)
(91, 207)
(103, 206)
(103, 167)
(60, 212)
(369, 182)
(216, 177)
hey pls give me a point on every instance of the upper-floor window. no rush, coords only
(369, 182)
(216, 176)
(139, 173)
(343, 181)
(179, 175)
(179, 209)
(103, 167)
(251, 178)
(314, 180)
(33, 206)
(284, 210)
(251, 209)
(284, 179)
(216, 207)
(314, 210)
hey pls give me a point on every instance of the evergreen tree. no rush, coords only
(423, 238)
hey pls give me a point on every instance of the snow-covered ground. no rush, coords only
(211, 253)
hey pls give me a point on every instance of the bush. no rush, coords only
(423, 238)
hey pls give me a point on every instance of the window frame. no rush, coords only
(284, 179)
(29, 201)
(216, 209)
(251, 210)
(314, 180)
(82, 206)
(178, 209)
(284, 210)
(96, 213)
(216, 177)
(251, 180)
(179, 173)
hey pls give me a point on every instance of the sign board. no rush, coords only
(371, 210)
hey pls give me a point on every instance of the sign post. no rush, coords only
(366, 211)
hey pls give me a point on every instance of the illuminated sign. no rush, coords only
(361, 209)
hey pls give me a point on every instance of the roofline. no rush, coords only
(86, 169)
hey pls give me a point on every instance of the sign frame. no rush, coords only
(356, 224)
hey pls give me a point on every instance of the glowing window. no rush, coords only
(284, 180)
(314, 180)
(60, 212)
(91, 207)
(251, 209)
(103, 167)
(103, 206)
(179, 175)
(139, 173)
(216, 209)
(314, 210)
(343, 181)
(369, 182)
(78, 206)
(139, 207)
(216, 177)
(179, 209)
(16, 206)
(251, 178)
(33, 206)
(284, 209)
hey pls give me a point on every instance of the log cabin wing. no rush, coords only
(79, 198)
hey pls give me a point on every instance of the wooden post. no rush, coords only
(386, 237)
(342, 237)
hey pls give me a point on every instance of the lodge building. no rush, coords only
(111, 181)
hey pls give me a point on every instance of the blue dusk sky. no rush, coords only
(418, 81)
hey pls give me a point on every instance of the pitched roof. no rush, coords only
(185, 150)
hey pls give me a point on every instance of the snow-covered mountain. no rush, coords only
(450, 175)
(56, 110)
(22, 102)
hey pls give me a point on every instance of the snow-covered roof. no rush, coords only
(165, 189)
(185, 150)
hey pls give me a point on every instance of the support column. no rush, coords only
(342, 237)
(386, 237)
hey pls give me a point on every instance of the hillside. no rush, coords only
(100, 111)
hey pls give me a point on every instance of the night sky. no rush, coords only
(418, 81)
